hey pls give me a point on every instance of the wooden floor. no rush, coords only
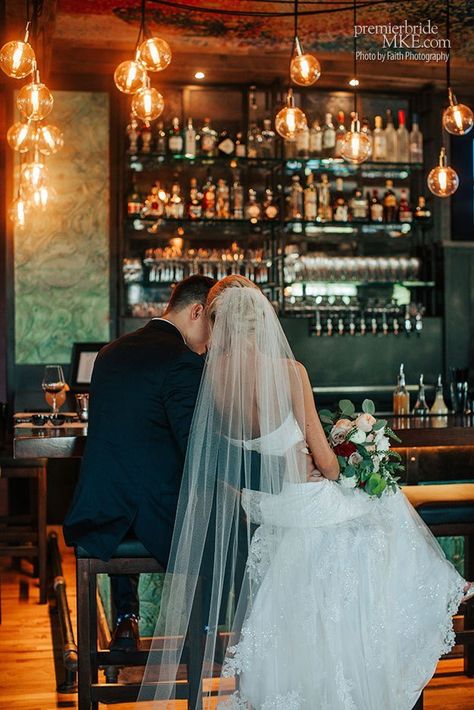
(29, 673)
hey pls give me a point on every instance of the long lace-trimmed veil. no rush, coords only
(245, 443)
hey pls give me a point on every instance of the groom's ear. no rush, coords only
(197, 311)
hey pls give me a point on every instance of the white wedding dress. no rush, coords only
(355, 600)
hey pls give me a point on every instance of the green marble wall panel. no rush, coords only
(62, 255)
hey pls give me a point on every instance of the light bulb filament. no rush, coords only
(443, 179)
(17, 56)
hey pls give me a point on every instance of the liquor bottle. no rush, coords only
(376, 208)
(209, 198)
(253, 211)
(324, 200)
(289, 149)
(422, 211)
(403, 139)
(340, 134)
(358, 205)
(310, 199)
(401, 396)
(133, 135)
(421, 408)
(340, 208)
(175, 206)
(237, 198)
(416, 142)
(365, 128)
(329, 137)
(379, 145)
(207, 139)
(405, 212)
(147, 137)
(254, 138)
(315, 140)
(160, 139)
(222, 200)
(390, 139)
(194, 210)
(134, 201)
(390, 207)
(225, 144)
(439, 405)
(240, 147)
(302, 143)
(175, 139)
(155, 202)
(295, 199)
(190, 140)
(270, 208)
(268, 145)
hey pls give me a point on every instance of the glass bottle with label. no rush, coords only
(390, 139)
(439, 405)
(416, 142)
(240, 147)
(401, 396)
(155, 202)
(270, 208)
(190, 140)
(340, 134)
(329, 137)
(147, 137)
(160, 139)
(295, 199)
(222, 200)
(310, 199)
(267, 148)
(302, 143)
(225, 144)
(365, 128)
(134, 201)
(289, 149)
(376, 207)
(358, 205)
(133, 134)
(324, 200)
(175, 206)
(390, 207)
(254, 139)
(175, 139)
(421, 408)
(253, 211)
(209, 198)
(422, 211)
(379, 144)
(403, 139)
(340, 208)
(194, 210)
(315, 140)
(405, 212)
(207, 139)
(237, 198)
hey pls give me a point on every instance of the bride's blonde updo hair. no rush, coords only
(234, 281)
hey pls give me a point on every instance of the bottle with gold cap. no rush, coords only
(439, 405)
(401, 396)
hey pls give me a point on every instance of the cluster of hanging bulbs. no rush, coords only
(31, 136)
(131, 77)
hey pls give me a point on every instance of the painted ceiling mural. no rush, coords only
(324, 25)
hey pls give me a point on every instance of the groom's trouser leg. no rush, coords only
(125, 593)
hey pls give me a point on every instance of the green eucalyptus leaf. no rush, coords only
(326, 413)
(380, 424)
(346, 406)
(368, 406)
(349, 471)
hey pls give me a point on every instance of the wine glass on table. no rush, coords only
(53, 384)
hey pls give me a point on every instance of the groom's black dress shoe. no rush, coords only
(126, 636)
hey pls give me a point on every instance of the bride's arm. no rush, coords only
(324, 457)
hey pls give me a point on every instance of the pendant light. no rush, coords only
(130, 75)
(147, 103)
(356, 146)
(458, 118)
(305, 69)
(35, 100)
(290, 120)
(443, 180)
(154, 53)
(17, 58)
(50, 139)
(22, 136)
(18, 210)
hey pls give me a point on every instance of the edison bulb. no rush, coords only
(155, 54)
(35, 100)
(147, 104)
(356, 146)
(17, 211)
(129, 76)
(443, 181)
(17, 59)
(305, 69)
(33, 175)
(22, 137)
(457, 118)
(290, 120)
(50, 139)
(41, 197)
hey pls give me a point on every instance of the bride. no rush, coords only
(316, 597)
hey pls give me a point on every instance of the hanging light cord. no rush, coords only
(354, 10)
(142, 28)
(448, 34)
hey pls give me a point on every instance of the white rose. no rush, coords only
(358, 437)
(382, 443)
(376, 463)
(340, 430)
(354, 458)
(348, 482)
(365, 422)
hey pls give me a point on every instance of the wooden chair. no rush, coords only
(25, 535)
(131, 557)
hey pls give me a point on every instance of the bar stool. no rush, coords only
(25, 535)
(131, 557)
(448, 509)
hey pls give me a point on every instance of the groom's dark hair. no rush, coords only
(192, 290)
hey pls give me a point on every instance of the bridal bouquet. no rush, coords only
(362, 445)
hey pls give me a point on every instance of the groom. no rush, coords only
(143, 393)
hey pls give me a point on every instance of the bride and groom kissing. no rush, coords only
(205, 443)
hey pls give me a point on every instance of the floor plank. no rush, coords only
(28, 677)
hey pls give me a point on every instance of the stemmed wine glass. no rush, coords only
(53, 383)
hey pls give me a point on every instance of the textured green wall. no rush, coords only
(62, 256)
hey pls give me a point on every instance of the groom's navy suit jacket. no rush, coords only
(143, 393)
